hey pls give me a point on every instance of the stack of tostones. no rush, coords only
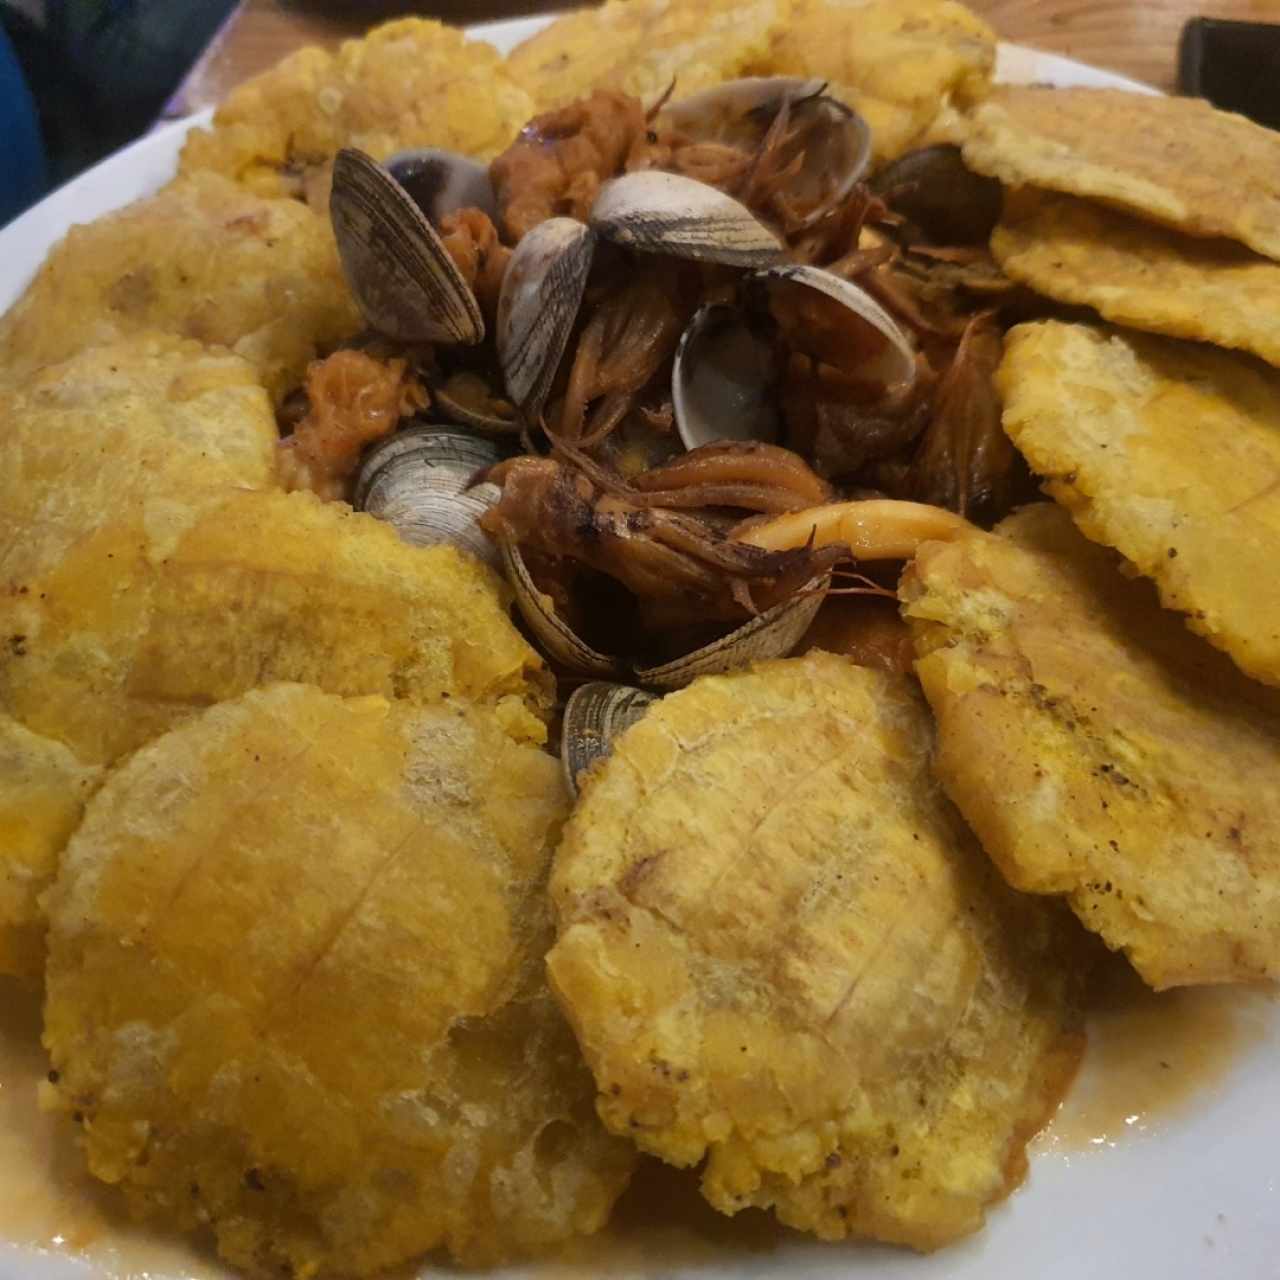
(1182, 239)
(1175, 161)
(783, 952)
(1137, 274)
(1100, 752)
(1166, 451)
(295, 989)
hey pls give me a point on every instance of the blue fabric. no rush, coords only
(22, 163)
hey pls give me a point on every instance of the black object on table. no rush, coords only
(1236, 65)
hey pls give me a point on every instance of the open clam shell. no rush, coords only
(442, 182)
(397, 267)
(722, 381)
(558, 640)
(656, 212)
(541, 293)
(772, 634)
(895, 364)
(419, 481)
(740, 113)
(595, 714)
(723, 376)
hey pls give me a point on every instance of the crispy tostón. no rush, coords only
(1100, 750)
(783, 952)
(296, 996)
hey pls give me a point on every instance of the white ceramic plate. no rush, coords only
(1129, 1183)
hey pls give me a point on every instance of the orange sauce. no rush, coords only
(1152, 1055)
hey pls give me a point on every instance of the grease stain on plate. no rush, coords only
(1152, 1056)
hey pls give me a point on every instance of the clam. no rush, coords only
(667, 213)
(558, 640)
(541, 293)
(420, 481)
(595, 714)
(650, 212)
(722, 380)
(395, 263)
(442, 182)
(835, 142)
(772, 634)
(723, 375)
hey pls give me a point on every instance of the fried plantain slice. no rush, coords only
(642, 46)
(410, 83)
(782, 950)
(1169, 452)
(1134, 273)
(295, 989)
(209, 598)
(43, 788)
(147, 415)
(1100, 750)
(201, 259)
(1176, 161)
(899, 63)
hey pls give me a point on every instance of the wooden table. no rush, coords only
(1136, 37)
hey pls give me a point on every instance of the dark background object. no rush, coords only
(100, 70)
(22, 164)
(1236, 65)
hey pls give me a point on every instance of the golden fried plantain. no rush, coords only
(1100, 750)
(642, 46)
(208, 599)
(1169, 452)
(148, 415)
(43, 788)
(1138, 274)
(782, 950)
(1177, 161)
(295, 989)
(409, 83)
(202, 259)
(900, 63)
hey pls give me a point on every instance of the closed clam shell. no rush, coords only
(541, 293)
(442, 182)
(723, 380)
(740, 113)
(772, 634)
(557, 639)
(595, 714)
(397, 267)
(670, 214)
(419, 481)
